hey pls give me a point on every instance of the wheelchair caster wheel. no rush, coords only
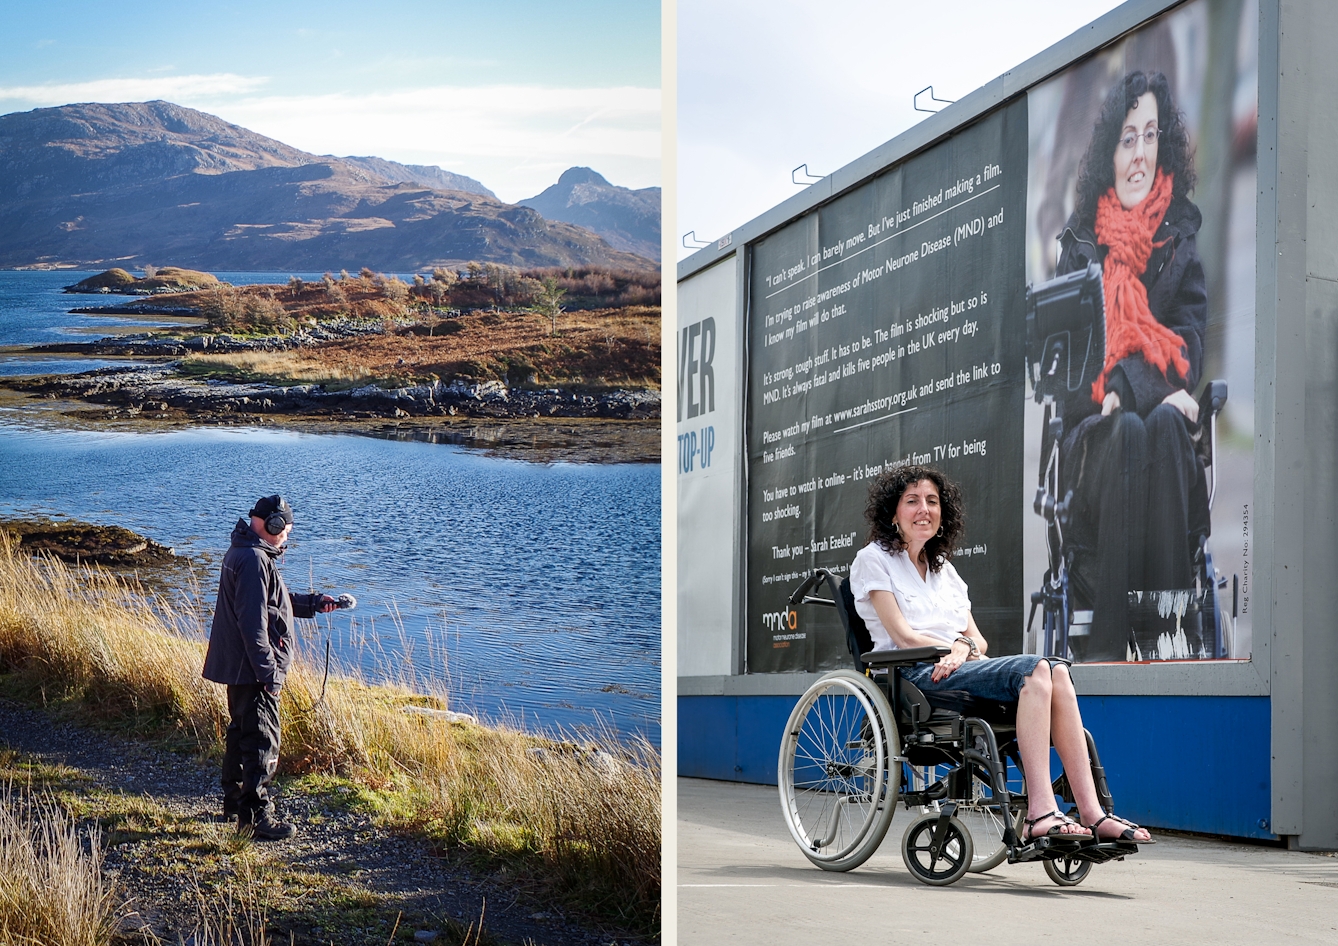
(1068, 871)
(949, 863)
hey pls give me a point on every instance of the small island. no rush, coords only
(154, 280)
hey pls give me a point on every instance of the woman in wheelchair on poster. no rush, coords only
(1135, 514)
(909, 595)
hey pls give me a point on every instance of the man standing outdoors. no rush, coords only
(250, 649)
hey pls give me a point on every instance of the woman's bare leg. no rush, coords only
(1034, 717)
(1071, 743)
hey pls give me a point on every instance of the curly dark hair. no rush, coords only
(1096, 174)
(886, 493)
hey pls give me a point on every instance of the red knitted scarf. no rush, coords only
(1131, 327)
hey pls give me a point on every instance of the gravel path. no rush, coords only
(331, 842)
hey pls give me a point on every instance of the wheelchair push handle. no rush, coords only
(801, 594)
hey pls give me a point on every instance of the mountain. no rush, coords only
(628, 220)
(426, 175)
(152, 182)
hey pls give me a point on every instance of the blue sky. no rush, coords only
(511, 93)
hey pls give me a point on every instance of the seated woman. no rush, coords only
(909, 595)
(1139, 500)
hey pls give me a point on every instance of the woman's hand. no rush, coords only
(959, 654)
(1183, 402)
(1110, 404)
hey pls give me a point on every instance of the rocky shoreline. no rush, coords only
(154, 344)
(158, 391)
(77, 542)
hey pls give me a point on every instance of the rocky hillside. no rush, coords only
(628, 219)
(423, 174)
(151, 182)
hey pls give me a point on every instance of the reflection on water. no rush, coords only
(533, 590)
(14, 366)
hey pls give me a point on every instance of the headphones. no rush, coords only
(275, 522)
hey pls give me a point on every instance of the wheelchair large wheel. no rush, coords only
(946, 866)
(1068, 871)
(837, 790)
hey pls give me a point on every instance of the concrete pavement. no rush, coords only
(742, 880)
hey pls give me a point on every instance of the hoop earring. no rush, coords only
(940, 531)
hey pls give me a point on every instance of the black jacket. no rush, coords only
(1177, 298)
(251, 640)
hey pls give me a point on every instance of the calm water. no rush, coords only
(532, 590)
(34, 311)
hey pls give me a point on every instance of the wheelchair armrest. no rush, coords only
(910, 655)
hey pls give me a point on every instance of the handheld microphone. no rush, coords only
(346, 601)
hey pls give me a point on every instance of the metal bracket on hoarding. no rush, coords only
(811, 177)
(915, 100)
(696, 243)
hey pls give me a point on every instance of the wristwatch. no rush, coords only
(970, 642)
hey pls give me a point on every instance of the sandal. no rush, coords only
(1056, 829)
(1126, 835)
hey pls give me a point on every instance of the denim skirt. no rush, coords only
(996, 678)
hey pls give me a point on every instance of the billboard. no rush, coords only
(961, 309)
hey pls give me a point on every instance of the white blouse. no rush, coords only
(937, 604)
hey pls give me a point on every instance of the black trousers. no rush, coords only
(1139, 501)
(251, 756)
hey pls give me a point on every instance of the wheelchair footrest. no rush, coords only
(1047, 849)
(1103, 851)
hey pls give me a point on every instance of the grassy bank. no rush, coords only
(608, 348)
(582, 825)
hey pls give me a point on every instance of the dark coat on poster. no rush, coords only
(1177, 298)
(251, 640)
(1139, 506)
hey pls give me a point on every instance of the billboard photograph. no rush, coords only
(1140, 335)
(1055, 306)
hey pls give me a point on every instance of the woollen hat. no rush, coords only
(268, 506)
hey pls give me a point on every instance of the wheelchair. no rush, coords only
(858, 741)
(1065, 345)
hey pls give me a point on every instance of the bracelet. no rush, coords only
(969, 642)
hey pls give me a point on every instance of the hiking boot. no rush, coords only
(265, 827)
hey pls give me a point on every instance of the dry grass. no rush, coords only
(582, 822)
(51, 887)
(601, 348)
(278, 366)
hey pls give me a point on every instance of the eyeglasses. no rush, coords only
(1149, 139)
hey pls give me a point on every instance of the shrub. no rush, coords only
(222, 310)
(395, 290)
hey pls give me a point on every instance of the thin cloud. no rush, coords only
(173, 88)
(515, 120)
(514, 135)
